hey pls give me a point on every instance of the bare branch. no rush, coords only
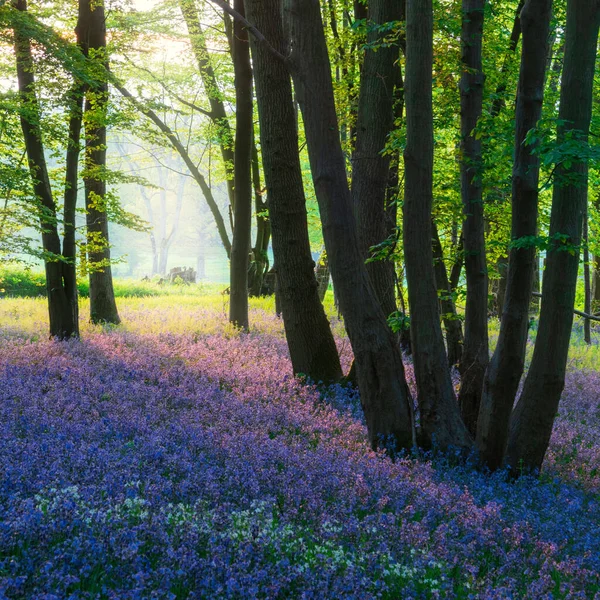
(177, 97)
(575, 311)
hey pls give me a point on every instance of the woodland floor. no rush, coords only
(173, 457)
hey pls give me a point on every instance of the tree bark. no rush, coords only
(69, 266)
(263, 229)
(441, 423)
(499, 101)
(384, 393)
(242, 207)
(506, 367)
(103, 308)
(370, 167)
(587, 326)
(308, 333)
(454, 338)
(533, 418)
(60, 308)
(596, 286)
(475, 354)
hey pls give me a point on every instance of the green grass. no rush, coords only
(28, 283)
(23, 308)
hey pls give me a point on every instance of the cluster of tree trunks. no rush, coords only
(288, 44)
(60, 259)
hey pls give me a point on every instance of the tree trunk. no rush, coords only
(454, 338)
(441, 423)
(103, 308)
(533, 418)
(69, 266)
(499, 101)
(60, 309)
(323, 275)
(308, 334)
(534, 304)
(384, 393)
(370, 167)
(475, 355)
(263, 230)
(506, 367)
(242, 208)
(596, 286)
(587, 325)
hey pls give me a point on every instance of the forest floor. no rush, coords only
(172, 457)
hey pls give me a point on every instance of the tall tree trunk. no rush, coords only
(308, 333)
(242, 208)
(384, 393)
(454, 338)
(103, 307)
(506, 367)
(441, 423)
(370, 167)
(60, 308)
(533, 418)
(69, 266)
(475, 355)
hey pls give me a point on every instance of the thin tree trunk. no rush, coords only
(263, 230)
(506, 367)
(534, 305)
(441, 423)
(308, 333)
(103, 307)
(69, 266)
(596, 286)
(587, 326)
(454, 338)
(242, 208)
(60, 309)
(457, 265)
(499, 101)
(533, 418)
(370, 167)
(475, 355)
(384, 393)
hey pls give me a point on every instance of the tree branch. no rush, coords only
(177, 97)
(255, 32)
(178, 146)
(577, 312)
